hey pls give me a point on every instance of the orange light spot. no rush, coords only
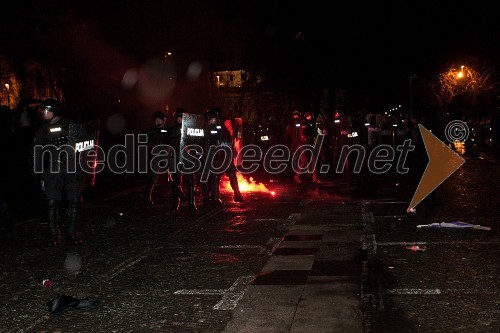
(245, 185)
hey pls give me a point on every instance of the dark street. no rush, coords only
(159, 271)
(241, 167)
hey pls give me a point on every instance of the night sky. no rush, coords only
(370, 47)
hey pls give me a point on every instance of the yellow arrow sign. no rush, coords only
(443, 162)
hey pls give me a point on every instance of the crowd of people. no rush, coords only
(329, 134)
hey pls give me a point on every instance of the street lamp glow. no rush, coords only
(7, 86)
(461, 73)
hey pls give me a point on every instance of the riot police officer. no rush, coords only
(295, 137)
(58, 136)
(157, 135)
(174, 135)
(215, 135)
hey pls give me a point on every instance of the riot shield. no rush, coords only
(86, 146)
(192, 133)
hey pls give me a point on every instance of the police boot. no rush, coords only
(206, 193)
(55, 235)
(148, 200)
(236, 189)
(191, 203)
(176, 202)
(148, 196)
(216, 193)
(182, 195)
(72, 234)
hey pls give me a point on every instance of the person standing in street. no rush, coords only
(157, 135)
(174, 134)
(55, 161)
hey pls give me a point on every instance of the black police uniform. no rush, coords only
(215, 135)
(59, 139)
(156, 136)
(174, 139)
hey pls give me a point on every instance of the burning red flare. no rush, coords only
(246, 185)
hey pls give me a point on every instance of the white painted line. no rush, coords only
(200, 292)
(368, 217)
(129, 263)
(339, 225)
(28, 221)
(240, 247)
(267, 220)
(293, 218)
(438, 243)
(229, 301)
(414, 291)
(400, 243)
(235, 293)
(241, 283)
(230, 297)
(390, 216)
(365, 244)
(417, 291)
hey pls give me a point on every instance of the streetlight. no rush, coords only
(7, 86)
(461, 73)
(412, 76)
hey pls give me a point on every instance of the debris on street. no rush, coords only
(453, 225)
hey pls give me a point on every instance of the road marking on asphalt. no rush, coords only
(390, 216)
(200, 292)
(194, 223)
(417, 291)
(293, 218)
(243, 246)
(235, 293)
(368, 217)
(368, 242)
(405, 291)
(438, 243)
(400, 243)
(266, 220)
(118, 269)
(372, 202)
(28, 221)
(230, 297)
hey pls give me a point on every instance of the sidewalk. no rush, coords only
(312, 281)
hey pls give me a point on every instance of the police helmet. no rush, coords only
(159, 115)
(214, 112)
(178, 113)
(51, 105)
